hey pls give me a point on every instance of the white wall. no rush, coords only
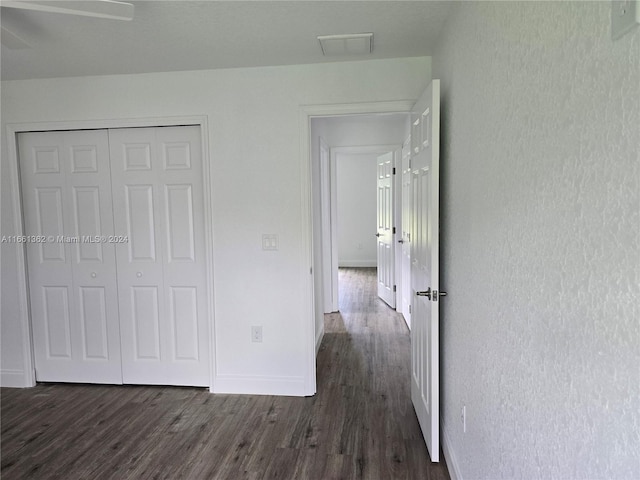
(356, 205)
(540, 241)
(257, 188)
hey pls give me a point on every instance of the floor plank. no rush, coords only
(360, 424)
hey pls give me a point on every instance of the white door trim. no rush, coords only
(12, 131)
(397, 223)
(327, 173)
(308, 274)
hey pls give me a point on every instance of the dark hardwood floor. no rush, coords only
(360, 424)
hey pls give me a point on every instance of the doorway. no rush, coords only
(345, 150)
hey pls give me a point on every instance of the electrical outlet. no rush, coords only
(463, 418)
(256, 333)
(625, 15)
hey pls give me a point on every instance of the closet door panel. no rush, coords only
(66, 189)
(184, 272)
(158, 200)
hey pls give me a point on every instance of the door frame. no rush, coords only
(327, 174)
(311, 274)
(404, 286)
(12, 131)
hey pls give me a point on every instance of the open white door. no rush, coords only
(425, 172)
(385, 234)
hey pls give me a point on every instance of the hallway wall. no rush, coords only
(357, 208)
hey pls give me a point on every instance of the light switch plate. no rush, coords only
(256, 333)
(625, 15)
(269, 241)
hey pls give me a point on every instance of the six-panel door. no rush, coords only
(72, 276)
(425, 168)
(158, 197)
(386, 252)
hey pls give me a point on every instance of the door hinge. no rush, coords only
(394, 170)
(409, 308)
(394, 288)
(394, 230)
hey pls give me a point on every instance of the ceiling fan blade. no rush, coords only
(89, 8)
(13, 41)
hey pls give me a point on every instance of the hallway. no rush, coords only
(360, 424)
(364, 362)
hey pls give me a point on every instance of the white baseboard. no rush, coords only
(258, 385)
(449, 455)
(357, 263)
(407, 322)
(13, 379)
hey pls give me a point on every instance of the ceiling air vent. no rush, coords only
(350, 44)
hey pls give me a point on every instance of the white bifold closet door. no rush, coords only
(117, 284)
(158, 200)
(72, 283)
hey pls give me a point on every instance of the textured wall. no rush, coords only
(540, 241)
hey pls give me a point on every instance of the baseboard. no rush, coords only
(357, 263)
(319, 338)
(407, 322)
(12, 379)
(259, 385)
(449, 455)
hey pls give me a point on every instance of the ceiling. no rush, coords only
(196, 35)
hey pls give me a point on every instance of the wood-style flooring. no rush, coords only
(360, 424)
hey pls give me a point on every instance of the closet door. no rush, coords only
(158, 208)
(71, 264)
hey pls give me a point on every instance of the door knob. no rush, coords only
(426, 293)
(139, 274)
(94, 274)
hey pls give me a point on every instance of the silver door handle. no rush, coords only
(426, 293)
(435, 296)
